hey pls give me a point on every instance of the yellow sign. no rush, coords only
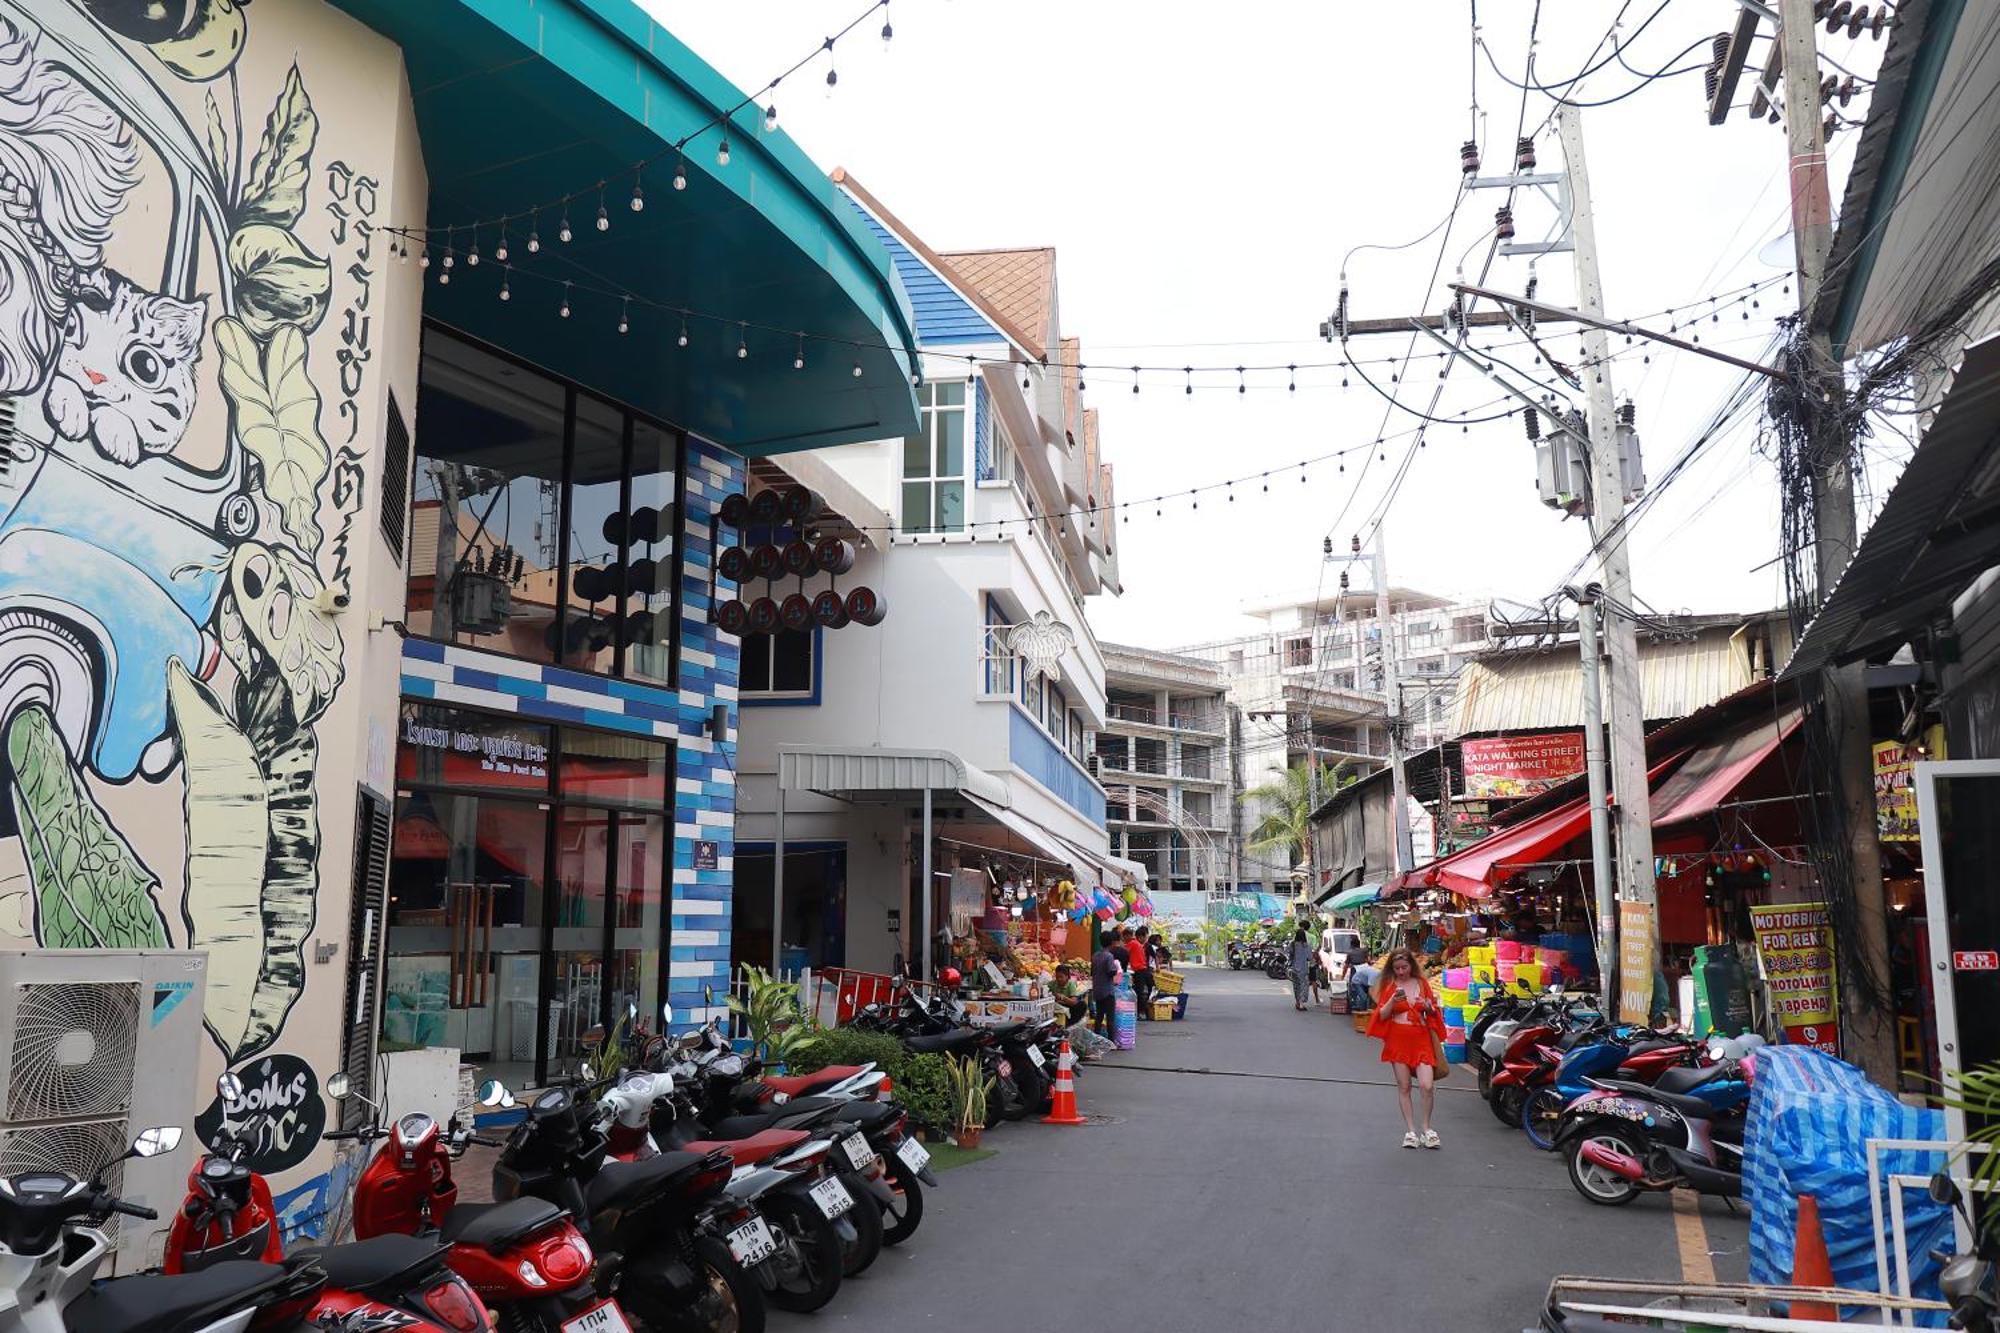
(1895, 791)
(1795, 943)
(1635, 962)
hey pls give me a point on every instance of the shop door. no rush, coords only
(1958, 816)
(465, 928)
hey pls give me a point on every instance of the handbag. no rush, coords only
(1443, 1069)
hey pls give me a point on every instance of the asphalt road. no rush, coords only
(1271, 1191)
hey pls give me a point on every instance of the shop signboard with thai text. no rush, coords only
(1895, 791)
(1795, 946)
(457, 747)
(1507, 767)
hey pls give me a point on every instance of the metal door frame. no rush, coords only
(1946, 1003)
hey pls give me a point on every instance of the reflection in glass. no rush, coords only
(590, 640)
(650, 565)
(583, 852)
(643, 842)
(485, 497)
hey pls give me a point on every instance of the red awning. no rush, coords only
(1477, 870)
(1471, 872)
(1716, 769)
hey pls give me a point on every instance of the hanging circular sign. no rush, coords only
(833, 555)
(800, 504)
(763, 616)
(796, 613)
(865, 607)
(280, 1114)
(733, 564)
(798, 558)
(735, 510)
(766, 507)
(732, 617)
(830, 609)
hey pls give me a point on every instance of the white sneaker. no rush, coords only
(1431, 1139)
(1410, 1138)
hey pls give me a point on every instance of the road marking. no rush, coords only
(1283, 1078)
(1692, 1235)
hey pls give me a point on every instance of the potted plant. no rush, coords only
(969, 1089)
(779, 1029)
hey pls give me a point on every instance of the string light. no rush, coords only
(681, 173)
(625, 316)
(638, 189)
(832, 74)
(771, 117)
(506, 292)
(799, 358)
(887, 31)
(743, 342)
(603, 218)
(500, 250)
(564, 312)
(857, 370)
(472, 254)
(722, 153)
(563, 232)
(534, 232)
(682, 341)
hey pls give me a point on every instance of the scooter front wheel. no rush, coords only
(1540, 1114)
(1594, 1181)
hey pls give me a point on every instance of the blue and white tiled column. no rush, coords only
(705, 805)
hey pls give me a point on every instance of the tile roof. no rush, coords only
(1020, 284)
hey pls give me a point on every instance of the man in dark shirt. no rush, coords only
(1105, 966)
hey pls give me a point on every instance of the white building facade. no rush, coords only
(970, 710)
(1167, 758)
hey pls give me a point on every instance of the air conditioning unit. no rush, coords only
(103, 1043)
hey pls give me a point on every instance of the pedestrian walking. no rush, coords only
(1410, 1025)
(1106, 966)
(1302, 970)
(1142, 968)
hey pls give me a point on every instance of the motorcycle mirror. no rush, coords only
(708, 995)
(229, 1087)
(1944, 1190)
(494, 1093)
(338, 1087)
(156, 1141)
(667, 1015)
(632, 1012)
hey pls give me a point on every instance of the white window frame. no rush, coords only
(930, 413)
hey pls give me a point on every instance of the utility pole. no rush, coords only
(1614, 561)
(1600, 814)
(1844, 695)
(1392, 704)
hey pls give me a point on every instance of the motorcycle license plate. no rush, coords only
(832, 1197)
(913, 1154)
(1006, 1069)
(752, 1243)
(604, 1318)
(859, 1155)
(1035, 1055)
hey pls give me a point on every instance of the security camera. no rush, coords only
(331, 601)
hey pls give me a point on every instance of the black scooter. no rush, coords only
(1967, 1280)
(1626, 1139)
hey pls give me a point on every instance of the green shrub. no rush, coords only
(846, 1046)
(925, 1091)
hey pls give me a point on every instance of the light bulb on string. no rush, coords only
(799, 357)
(832, 74)
(472, 251)
(722, 153)
(1240, 388)
(771, 117)
(563, 233)
(682, 341)
(506, 293)
(625, 315)
(742, 341)
(603, 218)
(448, 238)
(1293, 373)
(857, 370)
(500, 248)
(534, 232)
(1135, 379)
(638, 190)
(564, 312)
(1188, 371)
(681, 173)
(887, 31)
(423, 256)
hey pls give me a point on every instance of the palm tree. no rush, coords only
(1288, 807)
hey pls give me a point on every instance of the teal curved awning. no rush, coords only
(523, 101)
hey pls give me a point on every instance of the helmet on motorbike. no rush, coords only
(950, 977)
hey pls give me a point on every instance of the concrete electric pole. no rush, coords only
(1870, 1041)
(1392, 705)
(1608, 478)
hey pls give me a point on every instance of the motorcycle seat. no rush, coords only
(867, 1115)
(1682, 1079)
(1693, 1108)
(497, 1226)
(621, 1184)
(754, 1149)
(155, 1303)
(1653, 1044)
(943, 1043)
(792, 1086)
(380, 1266)
(1011, 1032)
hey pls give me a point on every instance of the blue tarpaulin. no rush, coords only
(1811, 1117)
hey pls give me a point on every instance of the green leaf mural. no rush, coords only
(275, 412)
(275, 189)
(278, 280)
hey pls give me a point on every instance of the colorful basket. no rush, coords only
(1507, 951)
(1168, 983)
(1452, 999)
(1454, 1054)
(1458, 978)
(1454, 1016)
(1529, 974)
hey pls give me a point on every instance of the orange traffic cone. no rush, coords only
(1811, 1266)
(1063, 1111)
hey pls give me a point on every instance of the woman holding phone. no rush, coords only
(1410, 1024)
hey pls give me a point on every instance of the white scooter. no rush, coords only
(50, 1252)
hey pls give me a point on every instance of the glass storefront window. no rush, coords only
(545, 520)
(604, 769)
(644, 845)
(485, 497)
(583, 865)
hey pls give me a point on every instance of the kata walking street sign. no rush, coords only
(1795, 943)
(1510, 766)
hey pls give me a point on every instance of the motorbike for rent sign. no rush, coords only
(1505, 767)
(1795, 945)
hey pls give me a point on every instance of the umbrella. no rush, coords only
(1359, 896)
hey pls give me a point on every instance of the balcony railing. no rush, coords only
(1202, 720)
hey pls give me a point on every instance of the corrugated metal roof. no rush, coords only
(859, 771)
(1935, 534)
(1542, 689)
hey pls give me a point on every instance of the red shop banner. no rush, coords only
(1504, 767)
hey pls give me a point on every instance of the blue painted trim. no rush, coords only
(1035, 752)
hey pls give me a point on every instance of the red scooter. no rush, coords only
(525, 1257)
(397, 1282)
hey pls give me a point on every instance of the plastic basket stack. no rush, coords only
(1455, 996)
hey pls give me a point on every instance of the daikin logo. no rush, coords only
(167, 995)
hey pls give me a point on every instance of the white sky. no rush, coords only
(1201, 169)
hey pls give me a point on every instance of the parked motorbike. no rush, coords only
(653, 1224)
(525, 1258)
(1623, 1139)
(1967, 1281)
(1638, 1055)
(780, 1176)
(399, 1281)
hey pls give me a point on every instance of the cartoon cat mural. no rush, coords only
(157, 617)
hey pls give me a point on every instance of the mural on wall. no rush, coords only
(163, 611)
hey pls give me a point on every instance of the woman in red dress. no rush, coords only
(1410, 1022)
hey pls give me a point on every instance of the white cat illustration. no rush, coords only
(124, 375)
